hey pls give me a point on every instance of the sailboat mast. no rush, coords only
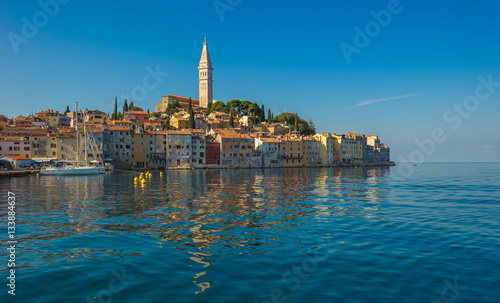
(77, 134)
(85, 136)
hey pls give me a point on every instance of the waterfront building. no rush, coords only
(291, 153)
(236, 149)
(158, 154)
(205, 79)
(381, 152)
(212, 157)
(178, 148)
(349, 148)
(43, 147)
(117, 146)
(312, 154)
(140, 149)
(256, 158)
(95, 143)
(65, 146)
(271, 150)
(326, 147)
(19, 146)
(198, 150)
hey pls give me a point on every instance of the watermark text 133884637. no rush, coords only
(11, 242)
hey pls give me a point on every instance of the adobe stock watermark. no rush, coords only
(223, 6)
(455, 116)
(363, 36)
(298, 273)
(454, 288)
(29, 30)
(115, 286)
(150, 81)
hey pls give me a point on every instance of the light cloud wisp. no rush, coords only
(366, 102)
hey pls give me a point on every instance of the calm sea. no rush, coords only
(274, 235)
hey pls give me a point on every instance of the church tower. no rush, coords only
(206, 85)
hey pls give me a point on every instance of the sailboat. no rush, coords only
(77, 169)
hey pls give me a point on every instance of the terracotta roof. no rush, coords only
(122, 128)
(137, 112)
(178, 132)
(270, 140)
(17, 157)
(177, 96)
(235, 136)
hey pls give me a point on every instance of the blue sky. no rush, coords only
(283, 54)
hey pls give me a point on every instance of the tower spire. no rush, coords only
(205, 80)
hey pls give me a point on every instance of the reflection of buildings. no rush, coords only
(249, 211)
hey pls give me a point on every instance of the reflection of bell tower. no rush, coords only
(206, 85)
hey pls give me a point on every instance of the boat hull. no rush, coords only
(74, 171)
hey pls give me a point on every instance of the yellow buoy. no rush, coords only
(136, 180)
(143, 181)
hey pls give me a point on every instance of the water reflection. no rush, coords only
(201, 214)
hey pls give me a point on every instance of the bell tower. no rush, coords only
(205, 79)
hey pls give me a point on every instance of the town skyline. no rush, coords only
(378, 91)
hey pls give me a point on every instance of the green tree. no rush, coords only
(262, 114)
(173, 108)
(302, 126)
(131, 105)
(231, 121)
(166, 123)
(190, 106)
(67, 110)
(311, 130)
(209, 109)
(269, 117)
(125, 106)
(114, 116)
(220, 107)
(235, 105)
(191, 123)
(148, 111)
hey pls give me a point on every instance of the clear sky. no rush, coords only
(411, 72)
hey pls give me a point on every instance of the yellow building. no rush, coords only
(140, 149)
(326, 147)
(349, 147)
(291, 152)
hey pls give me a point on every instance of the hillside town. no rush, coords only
(183, 133)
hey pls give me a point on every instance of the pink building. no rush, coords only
(20, 146)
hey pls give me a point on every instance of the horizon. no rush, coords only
(413, 81)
